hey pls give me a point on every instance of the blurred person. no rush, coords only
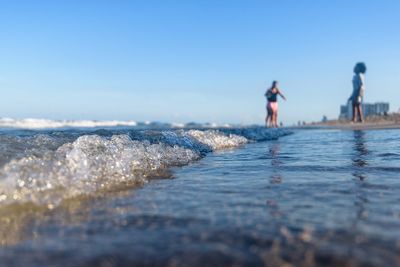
(272, 105)
(357, 96)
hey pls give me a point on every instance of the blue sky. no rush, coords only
(183, 61)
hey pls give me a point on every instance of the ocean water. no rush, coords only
(162, 196)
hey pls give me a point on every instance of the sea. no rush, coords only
(124, 193)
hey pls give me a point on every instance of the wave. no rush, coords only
(46, 169)
(54, 124)
(37, 124)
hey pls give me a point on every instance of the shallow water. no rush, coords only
(313, 198)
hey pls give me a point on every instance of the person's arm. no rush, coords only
(351, 97)
(362, 85)
(280, 93)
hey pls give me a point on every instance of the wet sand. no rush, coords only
(391, 121)
(353, 126)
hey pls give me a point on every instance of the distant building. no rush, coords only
(379, 108)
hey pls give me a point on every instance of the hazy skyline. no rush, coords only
(205, 61)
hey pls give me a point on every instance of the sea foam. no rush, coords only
(55, 124)
(35, 124)
(46, 169)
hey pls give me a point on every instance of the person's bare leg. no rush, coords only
(276, 119)
(269, 120)
(354, 113)
(360, 113)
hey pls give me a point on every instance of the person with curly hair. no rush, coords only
(358, 91)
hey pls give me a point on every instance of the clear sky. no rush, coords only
(204, 61)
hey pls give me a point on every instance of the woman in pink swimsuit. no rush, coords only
(272, 106)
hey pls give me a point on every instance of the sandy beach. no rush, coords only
(391, 121)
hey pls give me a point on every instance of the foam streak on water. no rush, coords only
(47, 168)
(36, 124)
(54, 124)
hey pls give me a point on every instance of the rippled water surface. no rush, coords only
(312, 198)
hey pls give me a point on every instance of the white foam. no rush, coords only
(85, 166)
(37, 124)
(55, 124)
(216, 140)
(177, 125)
(46, 169)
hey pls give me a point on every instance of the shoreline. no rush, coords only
(352, 126)
(377, 122)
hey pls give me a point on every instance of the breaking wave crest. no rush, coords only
(46, 169)
(37, 124)
(55, 124)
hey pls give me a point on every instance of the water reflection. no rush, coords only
(275, 178)
(359, 162)
(360, 154)
(20, 222)
(273, 153)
